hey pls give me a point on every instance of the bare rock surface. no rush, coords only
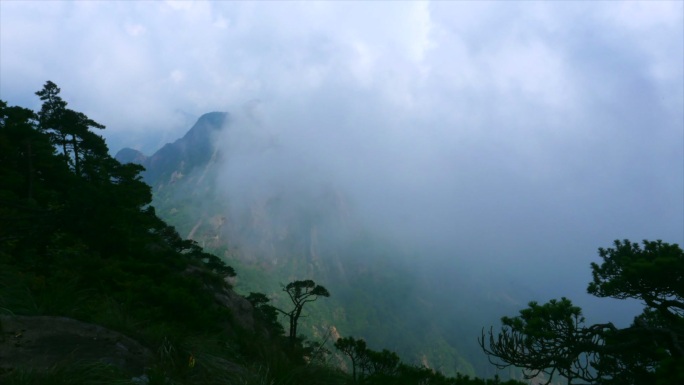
(40, 342)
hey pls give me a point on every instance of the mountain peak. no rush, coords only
(129, 155)
(214, 118)
(211, 121)
(194, 149)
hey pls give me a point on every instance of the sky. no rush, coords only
(516, 134)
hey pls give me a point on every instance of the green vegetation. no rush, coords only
(80, 239)
(385, 367)
(552, 338)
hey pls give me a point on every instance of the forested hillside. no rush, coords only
(79, 239)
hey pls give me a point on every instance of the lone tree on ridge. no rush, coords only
(301, 293)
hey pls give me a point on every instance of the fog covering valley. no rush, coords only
(455, 160)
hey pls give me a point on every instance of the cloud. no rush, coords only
(135, 29)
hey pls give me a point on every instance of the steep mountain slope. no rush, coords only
(128, 300)
(381, 291)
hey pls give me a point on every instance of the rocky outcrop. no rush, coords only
(41, 342)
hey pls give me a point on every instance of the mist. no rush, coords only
(504, 142)
(504, 184)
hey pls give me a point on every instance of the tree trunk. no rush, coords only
(30, 169)
(75, 149)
